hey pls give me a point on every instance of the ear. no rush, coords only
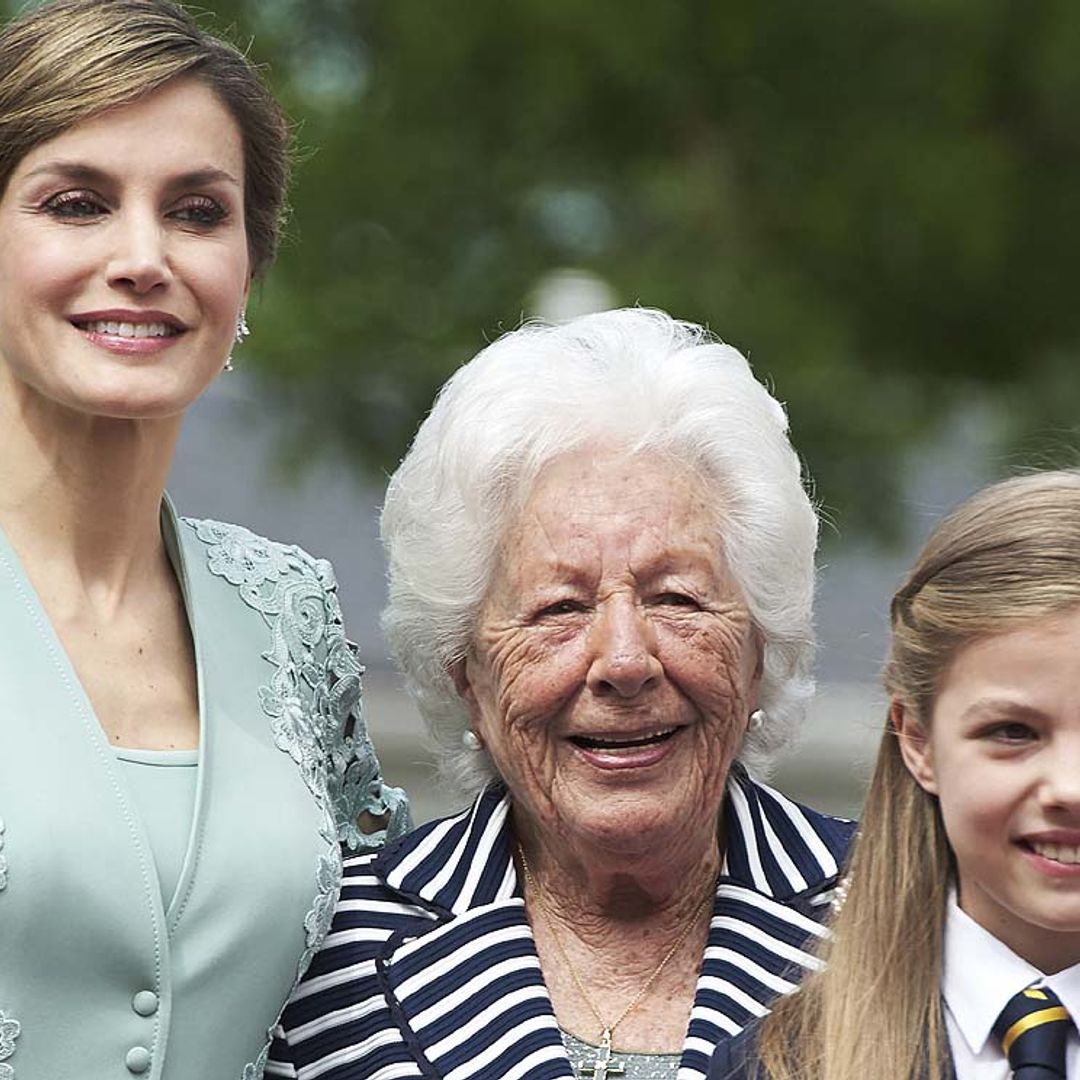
(915, 748)
(459, 673)
(756, 645)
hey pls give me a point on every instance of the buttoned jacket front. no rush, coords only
(91, 953)
(430, 969)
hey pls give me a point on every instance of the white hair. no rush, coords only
(644, 382)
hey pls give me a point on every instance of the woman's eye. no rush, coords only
(203, 212)
(675, 599)
(560, 607)
(77, 205)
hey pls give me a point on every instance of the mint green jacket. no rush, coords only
(99, 979)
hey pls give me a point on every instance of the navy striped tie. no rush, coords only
(1033, 1029)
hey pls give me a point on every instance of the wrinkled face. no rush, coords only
(123, 257)
(614, 663)
(1003, 756)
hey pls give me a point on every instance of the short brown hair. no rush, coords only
(68, 60)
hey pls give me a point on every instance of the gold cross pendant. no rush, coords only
(602, 1067)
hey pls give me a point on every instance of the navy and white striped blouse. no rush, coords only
(430, 970)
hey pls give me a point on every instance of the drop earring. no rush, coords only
(242, 331)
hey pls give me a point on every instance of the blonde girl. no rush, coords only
(964, 883)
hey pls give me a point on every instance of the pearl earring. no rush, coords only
(470, 740)
(757, 720)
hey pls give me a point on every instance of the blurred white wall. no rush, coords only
(827, 769)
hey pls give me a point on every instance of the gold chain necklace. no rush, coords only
(601, 1069)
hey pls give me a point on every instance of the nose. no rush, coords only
(1061, 781)
(624, 659)
(139, 259)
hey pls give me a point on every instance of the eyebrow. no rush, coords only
(90, 174)
(992, 707)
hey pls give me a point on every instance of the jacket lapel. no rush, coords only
(65, 806)
(471, 998)
(469, 995)
(780, 866)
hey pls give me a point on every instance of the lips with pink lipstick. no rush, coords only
(129, 331)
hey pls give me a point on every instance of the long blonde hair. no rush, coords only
(1009, 554)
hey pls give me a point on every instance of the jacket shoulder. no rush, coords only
(369, 914)
(244, 558)
(312, 696)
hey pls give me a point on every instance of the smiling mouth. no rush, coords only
(1069, 854)
(588, 742)
(116, 328)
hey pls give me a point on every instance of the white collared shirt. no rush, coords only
(979, 975)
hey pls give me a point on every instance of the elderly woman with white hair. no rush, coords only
(601, 574)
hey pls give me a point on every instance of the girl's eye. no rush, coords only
(201, 211)
(1012, 733)
(75, 205)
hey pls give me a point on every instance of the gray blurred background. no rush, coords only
(226, 468)
(877, 200)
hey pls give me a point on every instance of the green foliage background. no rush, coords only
(877, 200)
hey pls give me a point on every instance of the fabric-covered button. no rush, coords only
(145, 1003)
(138, 1059)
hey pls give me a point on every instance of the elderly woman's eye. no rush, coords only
(676, 599)
(560, 607)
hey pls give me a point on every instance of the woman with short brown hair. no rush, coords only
(181, 746)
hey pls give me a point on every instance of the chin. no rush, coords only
(632, 825)
(1063, 919)
(126, 403)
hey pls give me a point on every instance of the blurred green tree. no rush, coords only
(877, 200)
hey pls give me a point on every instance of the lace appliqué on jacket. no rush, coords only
(313, 703)
(9, 1032)
(254, 1071)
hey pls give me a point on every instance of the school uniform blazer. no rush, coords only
(737, 1059)
(430, 969)
(103, 977)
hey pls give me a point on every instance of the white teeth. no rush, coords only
(128, 329)
(631, 742)
(1062, 853)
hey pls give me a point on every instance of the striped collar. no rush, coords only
(467, 992)
(775, 848)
